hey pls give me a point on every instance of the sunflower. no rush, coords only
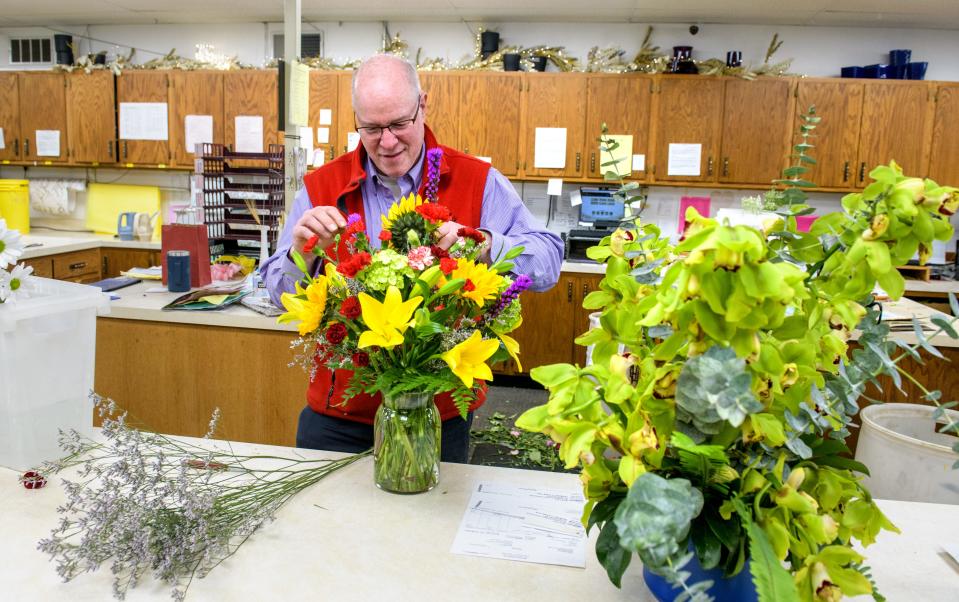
(481, 283)
(406, 205)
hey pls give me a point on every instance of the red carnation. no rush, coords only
(434, 212)
(355, 227)
(336, 333)
(469, 286)
(448, 264)
(438, 252)
(471, 233)
(354, 264)
(361, 359)
(33, 480)
(350, 308)
(386, 235)
(308, 247)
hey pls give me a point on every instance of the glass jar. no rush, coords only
(406, 445)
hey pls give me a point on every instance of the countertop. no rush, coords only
(52, 243)
(344, 539)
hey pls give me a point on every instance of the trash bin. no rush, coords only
(15, 204)
(47, 349)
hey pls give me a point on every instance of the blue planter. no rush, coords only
(736, 589)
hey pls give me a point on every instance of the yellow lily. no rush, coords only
(512, 345)
(309, 311)
(387, 321)
(468, 359)
(333, 277)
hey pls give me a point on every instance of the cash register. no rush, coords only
(599, 214)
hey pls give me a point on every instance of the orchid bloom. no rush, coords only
(387, 321)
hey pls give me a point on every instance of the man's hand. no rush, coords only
(446, 236)
(325, 222)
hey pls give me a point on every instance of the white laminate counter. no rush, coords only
(49, 242)
(343, 539)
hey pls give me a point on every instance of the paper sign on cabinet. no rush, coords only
(48, 143)
(143, 121)
(550, 148)
(249, 134)
(198, 129)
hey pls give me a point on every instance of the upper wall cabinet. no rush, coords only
(490, 117)
(944, 155)
(895, 119)
(143, 115)
(43, 116)
(91, 117)
(250, 109)
(836, 137)
(555, 124)
(444, 111)
(324, 111)
(622, 102)
(755, 134)
(9, 117)
(196, 112)
(688, 124)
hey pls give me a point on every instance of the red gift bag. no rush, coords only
(192, 238)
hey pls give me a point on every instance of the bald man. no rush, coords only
(389, 164)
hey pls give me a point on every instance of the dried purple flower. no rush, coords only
(433, 157)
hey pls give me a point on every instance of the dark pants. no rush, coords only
(319, 431)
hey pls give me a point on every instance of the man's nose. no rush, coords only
(388, 138)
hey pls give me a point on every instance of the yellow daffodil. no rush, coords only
(386, 320)
(481, 283)
(468, 359)
(309, 311)
(406, 205)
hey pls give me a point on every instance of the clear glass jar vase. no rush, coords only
(406, 445)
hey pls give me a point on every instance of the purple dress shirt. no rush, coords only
(503, 216)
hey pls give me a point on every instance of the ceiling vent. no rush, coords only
(30, 51)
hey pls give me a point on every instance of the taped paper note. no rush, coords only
(299, 94)
(487, 159)
(322, 135)
(352, 141)
(198, 129)
(554, 186)
(143, 121)
(249, 134)
(684, 160)
(639, 162)
(319, 156)
(306, 139)
(2, 142)
(575, 198)
(326, 116)
(621, 155)
(550, 148)
(48, 143)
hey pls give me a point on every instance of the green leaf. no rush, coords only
(300, 262)
(945, 325)
(604, 510)
(773, 583)
(611, 554)
(513, 253)
(451, 286)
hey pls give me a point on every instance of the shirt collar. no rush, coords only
(415, 174)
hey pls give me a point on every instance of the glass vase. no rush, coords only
(406, 444)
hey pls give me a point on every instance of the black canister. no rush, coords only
(178, 271)
(489, 43)
(510, 62)
(539, 63)
(734, 58)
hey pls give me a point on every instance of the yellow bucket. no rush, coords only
(15, 204)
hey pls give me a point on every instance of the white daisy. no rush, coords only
(15, 284)
(11, 247)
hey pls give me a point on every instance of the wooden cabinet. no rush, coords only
(895, 117)
(944, 155)
(324, 96)
(346, 121)
(836, 137)
(91, 117)
(251, 93)
(443, 107)
(10, 116)
(42, 266)
(622, 102)
(689, 110)
(43, 116)
(490, 118)
(79, 266)
(556, 100)
(115, 260)
(142, 87)
(756, 130)
(199, 95)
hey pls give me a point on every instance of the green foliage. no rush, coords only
(773, 583)
(714, 389)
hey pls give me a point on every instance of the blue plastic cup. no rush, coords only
(178, 271)
(852, 72)
(898, 71)
(900, 57)
(916, 70)
(878, 71)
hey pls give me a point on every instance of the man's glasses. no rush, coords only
(374, 132)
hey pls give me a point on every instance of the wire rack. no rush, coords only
(235, 185)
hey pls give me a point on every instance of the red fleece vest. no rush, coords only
(462, 183)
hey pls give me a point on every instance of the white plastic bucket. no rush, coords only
(907, 459)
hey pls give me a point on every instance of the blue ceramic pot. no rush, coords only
(852, 72)
(900, 57)
(739, 588)
(916, 70)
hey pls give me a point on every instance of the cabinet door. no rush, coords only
(944, 159)
(200, 95)
(555, 100)
(10, 116)
(836, 137)
(690, 110)
(756, 130)
(91, 117)
(442, 105)
(546, 335)
(490, 124)
(585, 284)
(142, 87)
(114, 261)
(622, 102)
(251, 93)
(894, 120)
(43, 116)
(324, 96)
(346, 122)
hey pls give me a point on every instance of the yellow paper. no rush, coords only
(299, 94)
(214, 299)
(105, 203)
(623, 154)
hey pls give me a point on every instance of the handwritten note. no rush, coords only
(3, 144)
(550, 148)
(143, 121)
(197, 129)
(684, 160)
(48, 143)
(299, 94)
(248, 135)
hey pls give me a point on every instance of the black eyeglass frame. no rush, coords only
(376, 131)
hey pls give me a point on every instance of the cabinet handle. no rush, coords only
(578, 161)
(709, 166)
(466, 150)
(331, 153)
(725, 166)
(585, 291)
(104, 266)
(592, 162)
(845, 171)
(26, 147)
(16, 146)
(862, 171)
(110, 149)
(569, 292)
(78, 266)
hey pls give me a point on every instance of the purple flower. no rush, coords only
(519, 285)
(433, 157)
(352, 219)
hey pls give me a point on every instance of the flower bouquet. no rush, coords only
(410, 320)
(14, 277)
(710, 428)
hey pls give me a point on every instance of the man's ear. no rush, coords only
(423, 104)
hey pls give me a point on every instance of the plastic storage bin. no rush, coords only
(47, 350)
(15, 204)
(907, 459)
